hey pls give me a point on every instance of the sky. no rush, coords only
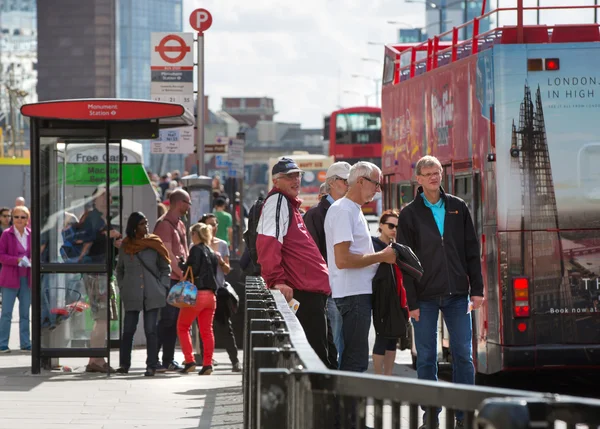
(303, 53)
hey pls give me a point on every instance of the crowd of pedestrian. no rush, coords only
(327, 264)
(147, 266)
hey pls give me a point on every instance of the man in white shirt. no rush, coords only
(352, 262)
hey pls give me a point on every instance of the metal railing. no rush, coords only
(286, 386)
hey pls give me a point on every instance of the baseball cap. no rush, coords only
(339, 169)
(285, 166)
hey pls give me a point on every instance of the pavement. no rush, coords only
(75, 399)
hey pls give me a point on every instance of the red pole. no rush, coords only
(454, 43)
(436, 41)
(519, 21)
(483, 7)
(413, 59)
(475, 40)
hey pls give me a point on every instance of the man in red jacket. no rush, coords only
(290, 260)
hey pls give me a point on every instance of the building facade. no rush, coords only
(248, 111)
(442, 15)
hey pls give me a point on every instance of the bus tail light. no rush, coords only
(521, 297)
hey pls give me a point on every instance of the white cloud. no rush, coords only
(302, 54)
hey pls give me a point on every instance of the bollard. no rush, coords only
(262, 357)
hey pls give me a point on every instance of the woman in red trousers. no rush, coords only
(203, 262)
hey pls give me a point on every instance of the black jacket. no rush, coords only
(451, 263)
(204, 267)
(314, 219)
(389, 318)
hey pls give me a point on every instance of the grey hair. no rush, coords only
(324, 188)
(361, 169)
(427, 161)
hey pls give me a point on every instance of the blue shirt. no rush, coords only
(330, 199)
(439, 212)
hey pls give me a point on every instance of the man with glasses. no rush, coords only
(352, 262)
(290, 260)
(439, 229)
(336, 181)
(4, 219)
(171, 230)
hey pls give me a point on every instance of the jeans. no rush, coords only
(229, 337)
(312, 315)
(9, 296)
(167, 331)
(204, 311)
(356, 321)
(335, 320)
(150, 329)
(458, 321)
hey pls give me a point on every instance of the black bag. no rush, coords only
(390, 320)
(253, 268)
(250, 235)
(227, 302)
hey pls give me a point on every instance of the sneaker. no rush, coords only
(188, 367)
(122, 370)
(236, 367)
(174, 366)
(206, 370)
(424, 426)
(6, 350)
(160, 369)
(26, 349)
(150, 372)
(459, 424)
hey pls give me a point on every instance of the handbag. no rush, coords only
(184, 293)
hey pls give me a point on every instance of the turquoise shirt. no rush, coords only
(439, 212)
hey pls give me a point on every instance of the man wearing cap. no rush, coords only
(290, 260)
(336, 180)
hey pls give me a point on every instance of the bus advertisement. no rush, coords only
(315, 168)
(514, 127)
(354, 134)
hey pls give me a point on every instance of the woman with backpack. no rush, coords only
(203, 263)
(143, 273)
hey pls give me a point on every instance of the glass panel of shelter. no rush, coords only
(78, 302)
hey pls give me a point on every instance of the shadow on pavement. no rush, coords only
(228, 401)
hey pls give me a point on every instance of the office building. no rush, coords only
(18, 63)
(442, 15)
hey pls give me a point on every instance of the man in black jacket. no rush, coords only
(336, 181)
(439, 229)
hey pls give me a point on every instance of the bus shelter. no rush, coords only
(79, 173)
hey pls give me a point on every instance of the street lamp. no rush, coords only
(375, 80)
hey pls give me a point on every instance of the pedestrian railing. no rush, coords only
(286, 386)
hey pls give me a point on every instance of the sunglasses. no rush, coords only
(19, 217)
(375, 182)
(391, 225)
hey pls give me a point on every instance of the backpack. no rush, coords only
(250, 235)
(253, 268)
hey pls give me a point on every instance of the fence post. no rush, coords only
(262, 357)
(274, 396)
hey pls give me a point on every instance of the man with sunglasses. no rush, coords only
(353, 262)
(336, 182)
(171, 230)
(290, 260)
(4, 219)
(438, 228)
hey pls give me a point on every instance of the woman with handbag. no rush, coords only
(202, 262)
(143, 273)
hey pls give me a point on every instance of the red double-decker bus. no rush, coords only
(511, 113)
(354, 134)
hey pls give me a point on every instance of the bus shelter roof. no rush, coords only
(168, 115)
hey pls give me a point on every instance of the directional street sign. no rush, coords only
(172, 76)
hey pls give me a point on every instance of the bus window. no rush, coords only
(358, 128)
(463, 188)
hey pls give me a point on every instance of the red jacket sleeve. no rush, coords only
(271, 231)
